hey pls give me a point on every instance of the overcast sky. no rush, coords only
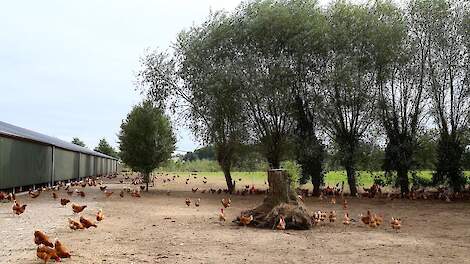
(67, 67)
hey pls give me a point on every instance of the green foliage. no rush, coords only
(449, 168)
(249, 158)
(206, 152)
(78, 142)
(105, 148)
(272, 73)
(294, 170)
(443, 24)
(146, 138)
(420, 181)
(425, 157)
(276, 43)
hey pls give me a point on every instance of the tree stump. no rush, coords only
(280, 200)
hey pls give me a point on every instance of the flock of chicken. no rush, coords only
(370, 219)
(47, 250)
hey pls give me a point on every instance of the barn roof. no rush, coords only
(26, 134)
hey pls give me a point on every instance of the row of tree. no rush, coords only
(370, 155)
(283, 73)
(103, 147)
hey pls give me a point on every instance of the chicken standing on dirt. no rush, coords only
(373, 223)
(282, 223)
(87, 223)
(11, 197)
(246, 220)
(17, 208)
(64, 201)
(188, 201)
(34, 194)
(40, 238)
(396, 223)
(366, 219)
(61, 250)
(222, 217)
(226, 202)
(332, 216)
(75, 225)
(198, 202)
(346, 219)
(47, 253)
(378, 219)
(80, 193)
(99, 215)
(78, 208)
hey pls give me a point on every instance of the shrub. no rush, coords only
(294, 171)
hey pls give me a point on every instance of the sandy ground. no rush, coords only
(160, 228)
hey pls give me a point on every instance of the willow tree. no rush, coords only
(445, 22)
(281, 49)
(206, 67)
(277, 45)
(198, 84)
(347, 88)
(400, 57)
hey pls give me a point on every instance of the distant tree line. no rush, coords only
(370, 157)
(103, 147)
(298, 80)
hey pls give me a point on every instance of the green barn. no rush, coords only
(28, 158)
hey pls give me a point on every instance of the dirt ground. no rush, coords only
(160, 228)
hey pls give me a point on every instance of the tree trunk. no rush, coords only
(224, 158)
(316, 182)
(281, 200)
(228, 178)
(351, 174)
(146, 180)
(403, 180)
(274, 163)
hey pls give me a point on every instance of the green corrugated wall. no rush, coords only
(66, 164)
(24, 163)
(97, 166)
(91, 165)
(106, 166)
(83, 166)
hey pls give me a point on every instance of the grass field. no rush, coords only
(332, 177)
